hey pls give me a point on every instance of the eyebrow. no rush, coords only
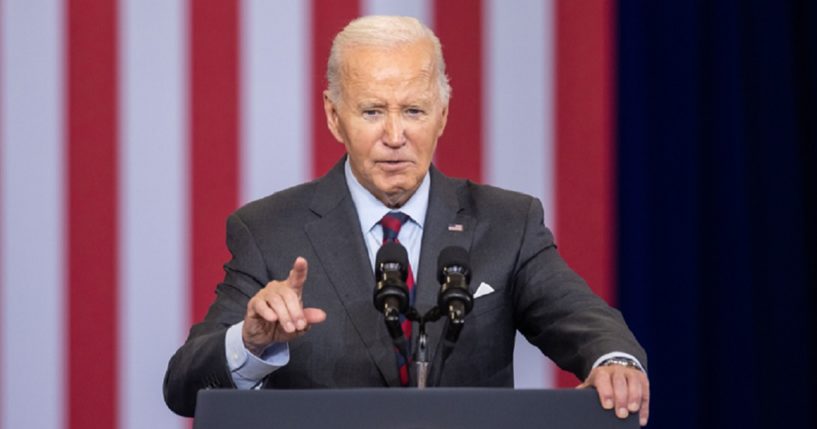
(422, 101)
(370, 103)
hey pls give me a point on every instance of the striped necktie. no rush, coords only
(391, 224)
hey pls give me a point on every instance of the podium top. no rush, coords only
(448, 408)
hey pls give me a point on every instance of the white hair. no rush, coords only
(383, 31)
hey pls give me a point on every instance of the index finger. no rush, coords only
(297, 275)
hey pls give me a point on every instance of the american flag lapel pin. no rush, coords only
(456, 227)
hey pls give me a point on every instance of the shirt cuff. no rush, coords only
(618, 355)
(247, 369)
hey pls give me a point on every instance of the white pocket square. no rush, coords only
(483, 289)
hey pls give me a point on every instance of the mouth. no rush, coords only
(395, 165)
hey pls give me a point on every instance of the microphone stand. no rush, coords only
(449, 339)
(422, 365)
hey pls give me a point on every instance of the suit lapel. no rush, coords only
(448, 223)
(337, 240)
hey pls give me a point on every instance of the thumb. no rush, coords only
(297, 275)
(314, 315)
(587, 381)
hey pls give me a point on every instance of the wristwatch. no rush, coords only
(622, 361)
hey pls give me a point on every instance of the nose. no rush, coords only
(394, 133)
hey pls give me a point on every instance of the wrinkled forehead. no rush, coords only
(407, 61)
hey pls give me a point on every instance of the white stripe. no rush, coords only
(519, 125)
(153, 201)
(420, 9)
(274, 96)
(33, 317)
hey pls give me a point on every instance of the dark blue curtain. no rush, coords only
(717, 173)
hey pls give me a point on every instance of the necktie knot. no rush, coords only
(391, 224)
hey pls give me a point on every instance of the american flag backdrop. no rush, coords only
(130, 129)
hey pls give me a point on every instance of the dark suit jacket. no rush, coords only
(510, 248)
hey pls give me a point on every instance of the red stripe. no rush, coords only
(92, 257)
(584, 142)
(328, 18)
(214, 136)
(458, 24)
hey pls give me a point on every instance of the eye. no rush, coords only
(414, 112)
(371, 113)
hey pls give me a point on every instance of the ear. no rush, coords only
(443, 121)
(332, 119)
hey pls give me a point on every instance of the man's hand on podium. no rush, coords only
(623, 388)
(276, 314)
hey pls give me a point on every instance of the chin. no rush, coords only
(394, 195)
(395, 187)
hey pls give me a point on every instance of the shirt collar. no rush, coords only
(370, 210)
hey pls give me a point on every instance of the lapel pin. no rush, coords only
(456, 227)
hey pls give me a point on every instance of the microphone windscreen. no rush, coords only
(453, 256)
(392, 252)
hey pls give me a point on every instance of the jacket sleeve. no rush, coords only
(558, 312)
(201, 363)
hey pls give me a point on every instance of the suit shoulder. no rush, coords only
(494, 193)
(291, 203)
(494, 201)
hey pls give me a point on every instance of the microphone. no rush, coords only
(454, 275)
(391, 293)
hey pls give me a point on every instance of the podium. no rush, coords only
(444, 408)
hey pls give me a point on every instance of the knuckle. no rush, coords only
(289, 295)
(255, 305)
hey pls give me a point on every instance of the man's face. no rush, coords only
(389, 117)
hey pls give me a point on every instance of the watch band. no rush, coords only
(622, 361)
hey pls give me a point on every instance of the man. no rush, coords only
(295, 307)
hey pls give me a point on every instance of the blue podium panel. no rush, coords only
(444, 408)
